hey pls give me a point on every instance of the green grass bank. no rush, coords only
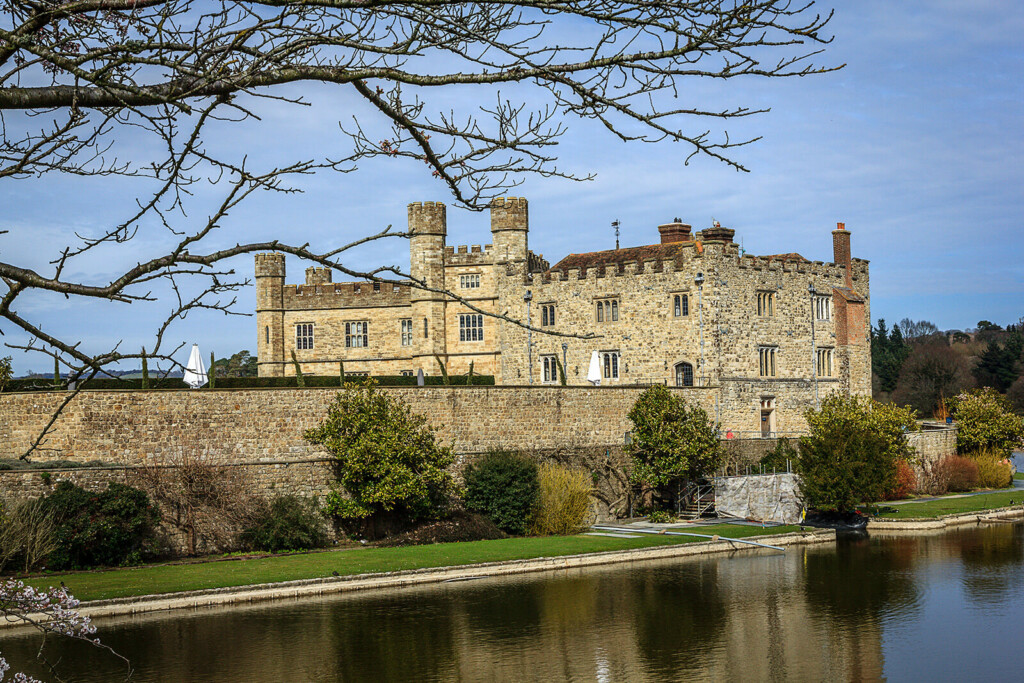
(950, 505)
(159, 579)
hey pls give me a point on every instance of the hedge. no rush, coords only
(42, 384)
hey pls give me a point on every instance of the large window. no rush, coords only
(607, 310)
(610, 362)
(766, 303)
(550, 364)
(469, 281)
(303, 336)
(680, 305)
(407, 332)
(824, 362)
(823, 307)
(356, 335)
(471, 327)
(547, 314)
(766, 361)
(684, 375)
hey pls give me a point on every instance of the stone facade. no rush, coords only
(769, 335)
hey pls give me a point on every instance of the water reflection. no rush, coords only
(854, 612)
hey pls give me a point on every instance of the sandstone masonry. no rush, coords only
(769, 335)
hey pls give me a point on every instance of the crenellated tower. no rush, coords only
(270, 274)
(428, 228)
(510, 225)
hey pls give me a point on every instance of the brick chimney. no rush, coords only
(676, 231)
(841, 251)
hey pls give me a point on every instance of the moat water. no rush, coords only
(948, 606)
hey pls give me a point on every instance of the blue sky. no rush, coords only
(916, 145)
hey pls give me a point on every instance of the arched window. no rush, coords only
(684, 375)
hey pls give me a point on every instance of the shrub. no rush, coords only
(387, 460)
(564, 501)
(986, 421)
(905, 482)
(285, 523)
(113, 528)
(671, 440)
(27, 534)
(660, 517)
(994, 471)
(959, 473)
(780, 457)
(851, 453)
(504, 486)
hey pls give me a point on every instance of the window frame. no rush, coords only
(607, 309)
(305, 336)
(767, 361)
(611, 364)
(822, 304)
(549, 368)
(766, 303)
(357, 331)
(680, 374)
(405, 327)
(824, 365)
(547, 315)
(471, 327)
(681, 305)
(469, 280)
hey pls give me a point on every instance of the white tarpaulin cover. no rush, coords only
(195, 371)
(594, 374)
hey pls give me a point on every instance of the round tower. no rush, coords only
(510, 223)
(270, 273)
(427, 230)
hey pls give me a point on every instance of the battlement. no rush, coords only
(469, 255)
(428, 218)
(270, 265)
(510, 203)
(345, 295)
(318, 275)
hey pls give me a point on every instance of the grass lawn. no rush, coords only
(949, 506)
(146, 580)
(1018, 475)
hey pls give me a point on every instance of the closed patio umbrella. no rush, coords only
(594, 373)
(195, 371)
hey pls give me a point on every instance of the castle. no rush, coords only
(759, 338)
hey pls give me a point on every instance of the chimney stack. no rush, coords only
(676, 231)
(841, 251)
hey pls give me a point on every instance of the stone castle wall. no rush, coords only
(264, 425)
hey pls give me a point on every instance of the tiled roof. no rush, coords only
(848, 294)
(787, 257)
(594, 259)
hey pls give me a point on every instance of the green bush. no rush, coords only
(387, 460)
(564, 501)
(503, 486)
(780, 457)
(286, 523)
(851, 453)
(46, 384)
(113, 528)
(985, 420)
(671, 440)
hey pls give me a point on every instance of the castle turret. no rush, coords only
(427, 229)
(510, 223)
(318, 276)
(270, 273)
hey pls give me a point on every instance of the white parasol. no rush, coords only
(594, 373)
(195, 371)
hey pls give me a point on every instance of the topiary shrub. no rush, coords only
(564, 501)
(114, 528)
(905, 483)
(503, 486)
(390, 469)
(285, 523)
(960, 473)
(994, 471)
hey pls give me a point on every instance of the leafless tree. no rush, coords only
(78, 76)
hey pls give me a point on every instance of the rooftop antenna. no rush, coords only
(615, 224)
